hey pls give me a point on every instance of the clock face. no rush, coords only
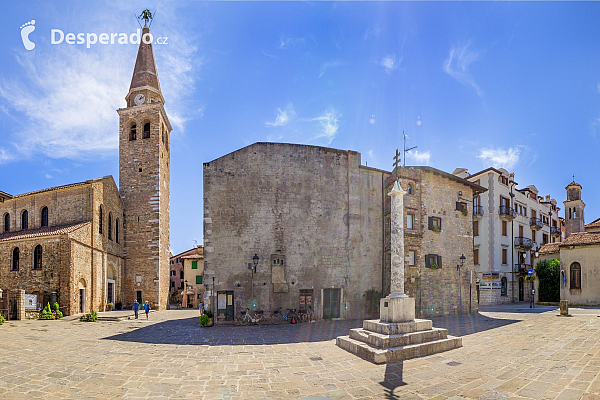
(139, 99)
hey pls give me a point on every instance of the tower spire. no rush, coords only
(144, 72)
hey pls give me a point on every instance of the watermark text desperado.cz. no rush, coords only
(57, 36)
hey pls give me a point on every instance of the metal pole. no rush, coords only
(213, 298)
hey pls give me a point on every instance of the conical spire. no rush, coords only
(144, 73)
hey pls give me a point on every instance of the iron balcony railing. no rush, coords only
(507, 211)
(522, 268)
(523, 242)
(535, 223)
(555, 231)
(477, 210)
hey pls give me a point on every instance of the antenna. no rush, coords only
(405, 149)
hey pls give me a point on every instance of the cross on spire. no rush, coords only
(573, 177)
(397, 161)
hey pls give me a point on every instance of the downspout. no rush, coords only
(383, 236)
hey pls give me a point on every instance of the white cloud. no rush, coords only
(285, 43)
(500, 158)
(283, 116)
(389, 63)
(331, 64)
(328, 122)
(418, 158)
(457, 64)
(598, 86)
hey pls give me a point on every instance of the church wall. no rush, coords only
(588, 258)
(311, 205)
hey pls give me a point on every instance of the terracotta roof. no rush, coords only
(581, 239)
(550, 248)
(45, 231)
(52, 188)
(191, 252)
(144, 72)
(594, 224)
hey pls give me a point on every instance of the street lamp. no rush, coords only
(252, 266)
(535, 253)
(462, 259)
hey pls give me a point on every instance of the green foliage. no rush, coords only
(109, 305)
(47, 312)
(465, 212)
(2, 320)
(59, 314)
(208, 312)
(436, 229)
(204, 319)
(548, 271)
(433, 266)
(91, 317)
(55, 306)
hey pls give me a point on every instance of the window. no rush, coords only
(435, 224)
(117, 230)
(575, 276)
(461, 206)
(14, 266)
(6, 222)
(409, 189)
(44, 216)
(475, 228)
(410, 221)
(172, 273)
(433, 261)
(37, 257)
(132, 133)
(180, 274)
(570, 217)
(411, 258)
(194, 264)
(172, 284)
(476, 256)
(24, 220)
(504, 256)
(504, 228)
(503, 286)
(532, 235)
(545, 238)
(100, 218)
(109, 226)
(503, 180)
(146, 133)
(198, 279)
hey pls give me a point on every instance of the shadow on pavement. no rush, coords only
(187, 331)
(393, 379)
(467, 324)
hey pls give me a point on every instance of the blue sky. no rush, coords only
(473, 85)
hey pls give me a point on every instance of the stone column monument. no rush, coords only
(397, 335)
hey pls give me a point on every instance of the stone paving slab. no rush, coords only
(506, 354)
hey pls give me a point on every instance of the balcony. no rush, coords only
(523, 243)
(507, 213)
(535, 223)
(477, 211)
(555, 231)
(521, 269)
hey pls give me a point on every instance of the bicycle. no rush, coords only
(278, 316)
(245, 318)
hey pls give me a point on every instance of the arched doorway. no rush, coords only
(521, 289)
(110, 284)
(82, 295)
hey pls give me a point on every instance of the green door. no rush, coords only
(331, 303)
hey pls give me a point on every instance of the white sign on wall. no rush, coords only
(31, 302)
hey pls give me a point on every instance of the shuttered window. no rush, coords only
(198, 279)
(194, 264)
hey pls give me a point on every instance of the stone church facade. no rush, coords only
(318, 221)
(90, 243)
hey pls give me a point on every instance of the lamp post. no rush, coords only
(252, 267)
(213, 298)
(458, 268)
(185, 296)
(535, 253)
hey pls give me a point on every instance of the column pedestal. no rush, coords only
(397, 309)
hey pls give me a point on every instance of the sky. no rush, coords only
(473, 85)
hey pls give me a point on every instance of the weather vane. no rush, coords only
(146, 15)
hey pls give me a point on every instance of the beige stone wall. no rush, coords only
(589, 259)
(190, 274)
(144, 187)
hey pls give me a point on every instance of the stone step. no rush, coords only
(395, 328)
(382, 341)
(380, 356)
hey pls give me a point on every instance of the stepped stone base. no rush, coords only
(384, 342)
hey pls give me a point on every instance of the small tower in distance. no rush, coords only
(144, 182)
(574, 209)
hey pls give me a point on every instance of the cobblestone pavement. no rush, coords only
(508, 353)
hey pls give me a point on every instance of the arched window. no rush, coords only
(24, 220)
(117, 230)
(410, 189)
(575, 276)
(503, 286)
(44, 216)
(163, 137)
(570, 215)
(574, 212)
(109, 226)
(101, 218)
(132, 132)
(37, 257)
(146, 130)
(6, 222)
(14, 266)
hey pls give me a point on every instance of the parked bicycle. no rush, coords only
(258, 318)
(278, 317)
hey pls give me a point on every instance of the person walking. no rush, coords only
(136, 307)
(147, 309)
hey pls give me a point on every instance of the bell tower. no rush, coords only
(144, 182)
(574, 206)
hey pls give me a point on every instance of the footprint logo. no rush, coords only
(26, 29)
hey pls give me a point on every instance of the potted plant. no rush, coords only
(434, 266)
(109, 306)
(465, 212)
(436, 229)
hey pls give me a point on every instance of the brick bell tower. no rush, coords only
(144, 180)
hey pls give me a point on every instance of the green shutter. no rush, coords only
(194, 264)
(198, 279)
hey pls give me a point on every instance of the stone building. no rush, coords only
(509, 224)
(318, 222)
(579, 253)
(187, 267)
(89, 243)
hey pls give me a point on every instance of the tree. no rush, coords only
(548, 272)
